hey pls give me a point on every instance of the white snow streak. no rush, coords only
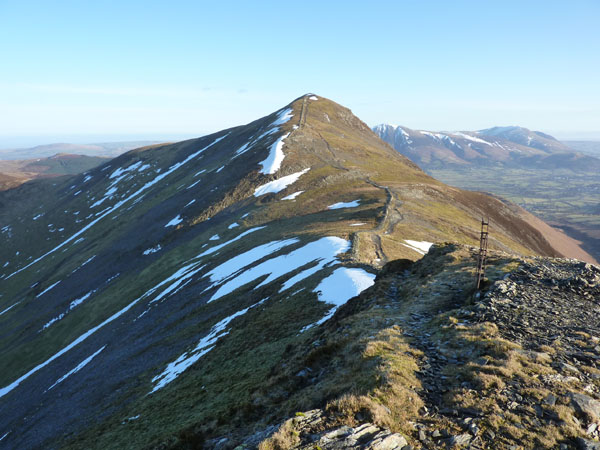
(278, 185)
(72, 305)
(220, 246)
(120, 171)
(273, 162)
(340, 205)
(175, 221)
(472, 138)
(292, 196)
(151, 250)
(9, 308)
(178, 277)
(80, 366)
(87, 261)
(80, 300)
(47, 289)
(283, 117)
(230, 268)
(421, 247)
(320, 253)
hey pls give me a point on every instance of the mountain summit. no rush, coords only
(145, 302)
(510, 146)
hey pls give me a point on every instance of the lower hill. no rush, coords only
(194, 294)
(102, 150)
(16, 172)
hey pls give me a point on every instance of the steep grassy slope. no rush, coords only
(145, 302)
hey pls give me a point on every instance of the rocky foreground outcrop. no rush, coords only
(515, 366)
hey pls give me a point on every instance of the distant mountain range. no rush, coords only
(502, 146)
(106, 149)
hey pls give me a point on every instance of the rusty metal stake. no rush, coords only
(483, 246)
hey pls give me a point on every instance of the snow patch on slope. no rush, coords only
(283, 116)
(175, 221)
(292, 196)
(273, 162)
(151, 250)
(421, 247)
(278, 185)
(232, 274)
(472, 138)
(339, 287)
(352, 204)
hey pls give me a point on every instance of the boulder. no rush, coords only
(586, 405)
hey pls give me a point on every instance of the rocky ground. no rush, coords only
(516, 366)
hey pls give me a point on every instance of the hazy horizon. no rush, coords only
(24, 142)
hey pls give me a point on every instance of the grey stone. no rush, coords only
(550, 400)
(337, 433)
(390, 442)
(461, 439)
(568, 368)
(364, 431)
(586, 444)
(474, 429)
(586, 405)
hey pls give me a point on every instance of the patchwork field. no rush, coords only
(566, 199)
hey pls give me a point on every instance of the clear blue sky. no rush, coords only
(142, 69)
